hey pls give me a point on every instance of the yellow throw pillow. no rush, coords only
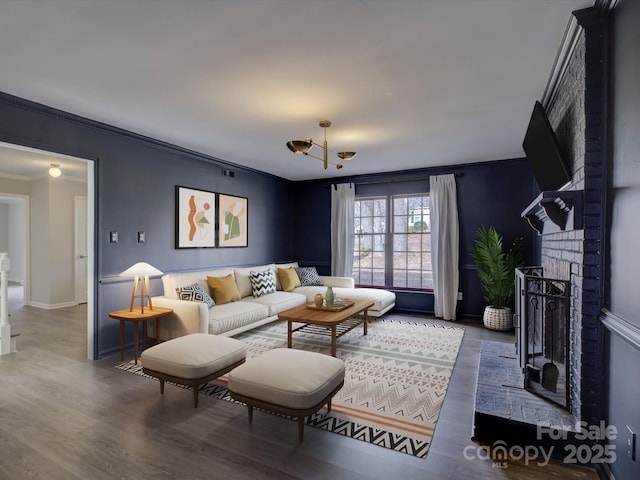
(223, 289)
(288, 278)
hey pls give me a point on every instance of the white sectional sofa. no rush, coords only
(248, 312)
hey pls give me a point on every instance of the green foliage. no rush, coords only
(420, 226)
(496, 268)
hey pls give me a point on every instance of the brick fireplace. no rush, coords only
(574, 253)
(571, 241)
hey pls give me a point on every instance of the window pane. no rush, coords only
(399, 243)
(369, 241)
(411, 242)
(414, 279)
(378, 278)
(400, 278)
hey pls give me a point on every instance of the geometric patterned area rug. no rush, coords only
(395, 382)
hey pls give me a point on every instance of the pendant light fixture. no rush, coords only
(302, 147)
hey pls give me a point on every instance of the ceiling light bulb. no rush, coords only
(55, 171)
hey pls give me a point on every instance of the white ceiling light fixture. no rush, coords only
(54, 170)
(302, 147)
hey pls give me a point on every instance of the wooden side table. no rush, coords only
(136, 317)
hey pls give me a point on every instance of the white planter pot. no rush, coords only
(497, 318)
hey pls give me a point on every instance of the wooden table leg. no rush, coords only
(144, 334)
(289, 333)
(333, 340)
(366, 321)
(135, 342)
(121, 340)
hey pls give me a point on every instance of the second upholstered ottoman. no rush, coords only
(286, 381)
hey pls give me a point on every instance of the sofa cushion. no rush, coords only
(262, 283)
(224, 289)
(288, 278)
(194, 293)
(381, 298)
(279, 301)
(223, 318)
(283, 265)
(308, 276)
(244, 282)
(171, 281)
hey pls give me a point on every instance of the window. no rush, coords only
(411, 242)
(407, 264)
(370, 228)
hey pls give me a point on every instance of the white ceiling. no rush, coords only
(407, 83)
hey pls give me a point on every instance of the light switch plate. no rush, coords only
(141, 237)
(113, 237)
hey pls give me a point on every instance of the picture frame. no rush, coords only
(195, 218)
(233, 222)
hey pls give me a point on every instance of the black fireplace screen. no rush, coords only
(542, 318)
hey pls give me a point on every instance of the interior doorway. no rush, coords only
(26, 168)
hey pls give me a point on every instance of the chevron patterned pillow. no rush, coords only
(308, 276)
(195, 293)
(263, 282)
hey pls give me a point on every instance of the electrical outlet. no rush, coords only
(459, 296)
(113, 237)
(141, 237)
(631, 443)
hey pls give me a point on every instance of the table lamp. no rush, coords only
(140, 273)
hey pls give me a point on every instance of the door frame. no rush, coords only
(91, 240)
(81, 294)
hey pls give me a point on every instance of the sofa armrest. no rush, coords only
(187, 317)
(344, 282)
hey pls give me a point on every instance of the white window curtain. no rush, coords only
(342, 204)
(444, 245)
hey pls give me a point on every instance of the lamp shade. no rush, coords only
(347, 155)
(300, 146)
(140, 269)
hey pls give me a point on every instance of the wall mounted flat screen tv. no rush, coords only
(543, 152)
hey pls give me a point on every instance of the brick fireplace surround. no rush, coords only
(577, 113)
(575, 101)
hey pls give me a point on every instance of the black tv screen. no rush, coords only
(543, 152)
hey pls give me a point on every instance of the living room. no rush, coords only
(136, 176)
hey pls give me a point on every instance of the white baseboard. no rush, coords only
(48, 306)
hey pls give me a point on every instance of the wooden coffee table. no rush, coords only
(323, 322)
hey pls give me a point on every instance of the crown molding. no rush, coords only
(40, 108)
(568, 46)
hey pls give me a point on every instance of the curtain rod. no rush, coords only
(422, 177)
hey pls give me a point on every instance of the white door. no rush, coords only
(81, 248)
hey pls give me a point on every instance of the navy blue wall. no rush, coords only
(135, 188)
(135, 191)
(491, 193)
(622, 343)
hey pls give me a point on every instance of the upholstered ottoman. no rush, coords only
(287, 381)
(193, 360)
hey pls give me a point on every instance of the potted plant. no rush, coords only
(496, 271)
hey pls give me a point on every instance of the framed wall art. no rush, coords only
(195, 218)
(232, 221)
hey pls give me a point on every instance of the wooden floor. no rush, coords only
(64, 417)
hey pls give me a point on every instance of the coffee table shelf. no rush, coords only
(343, 327)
